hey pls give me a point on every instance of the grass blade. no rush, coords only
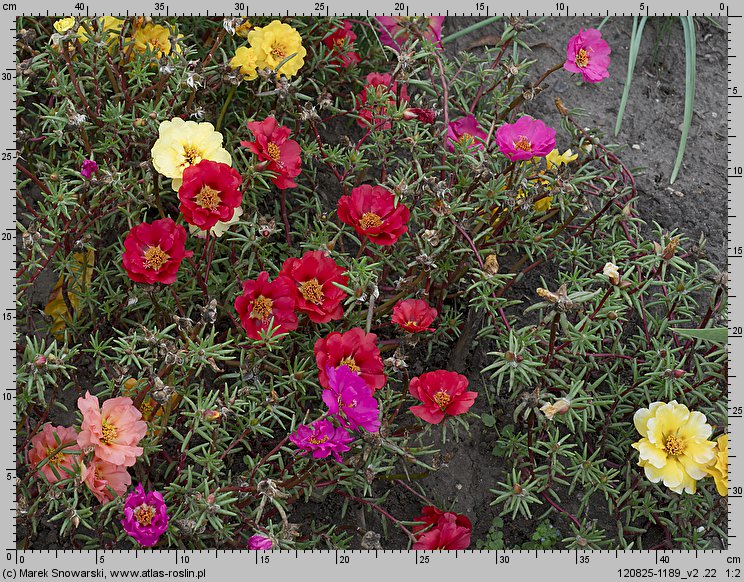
(635, 44)
(471, 28)
(688, 24)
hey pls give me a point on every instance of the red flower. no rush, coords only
(153, 252)
(263, 300)
(414, 315)
(441, 393)
(339, 42)
(372, 212)
(209, 193)
(314, 276)
(378, 85)
(355, 349)
(275, 150)
(450, 531)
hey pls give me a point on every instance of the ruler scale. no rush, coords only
(375, 565)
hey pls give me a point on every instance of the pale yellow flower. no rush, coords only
(274, 43)
(245, 60)
(218, 229)
(64, 24)
(185, 143)
(719, 469)
(675, 448)
(612, 272)
(560, 406)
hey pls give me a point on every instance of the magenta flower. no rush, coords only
(257, 542)
(396, 30)
(88, 168)
(466, 131)
(145, 516)
(349, 398)
(525, 139)
(322, 438)
(588, 53)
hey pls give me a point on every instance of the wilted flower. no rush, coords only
(560, 406)
(588, 53)
(145, 516)
(423, 115)
(322, 439)
(113, 430)
(186, 143)
(612, 272)
(675, 448)
(396, 30)
(153, 252)
(442, 393)
(349, 399)
(59, 445)
(525, 139)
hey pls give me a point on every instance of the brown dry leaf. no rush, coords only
(56, 308)
(488, 40)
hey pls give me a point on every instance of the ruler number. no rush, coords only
(240, 6)
(480, 6)
(583, 560)
(343, 560)
(736, 330)
(422, 560)
(400, 6)
(642, 6)
(503, 559)
(264, 559)
(159, 5)
(320, 6)
(560, 6)
(80, 6)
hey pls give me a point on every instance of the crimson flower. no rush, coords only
(153, 252)
(372, 212)
(263, 300)
(441, 393)
(276, 152)
(355, 349)
(340, 42)
(441, 530)
(314, 275)
(209, 193)
(414, 315)
(379, 85)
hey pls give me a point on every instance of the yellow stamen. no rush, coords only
(673, 446)
(109, 432)
(370, 220)
(315, 441)
(523, 144)
(208, 198)
(442, 399)
(582, 58)
(155, 258)
(278, 52)
(144, 514)
(411, 323)
(350, 363)
(57, 458)
(312, 291)
(191, 155)
(273, 151)
(262, 308)
(465, 138)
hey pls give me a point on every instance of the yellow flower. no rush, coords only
(276, 42)
(154, 38)
(675, 448)
(64, 24)
(719, 469)
(244, 28)
(110, 27)
(556, 159)
(245, 60)
(185, 143)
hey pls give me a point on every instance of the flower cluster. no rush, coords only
(277, 47)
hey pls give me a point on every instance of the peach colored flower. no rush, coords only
(102, 478)
(45, 443)
(113, 430)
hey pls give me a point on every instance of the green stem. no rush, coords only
(469, 29)
(223, 111)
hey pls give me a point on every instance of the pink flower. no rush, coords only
(145, 516)
(88, 168)
(588, 53)
(378, 95)
(349, 399)
(51, 439)
(396, 30)
(275, 151)
(466, 131)
(525, 139)
(113, 430)
(323, 439)
(105, 480)
(257, 542)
